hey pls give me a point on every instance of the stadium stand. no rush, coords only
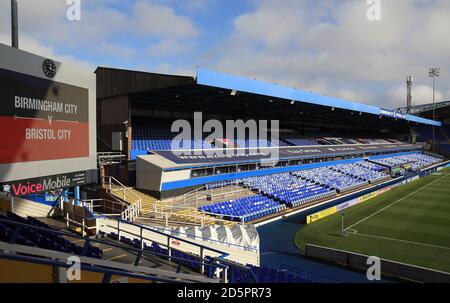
(332, 179)
(276, 192)
(148, 137)
(290, 137)
(245, 209)
(425, 134)
(253, 274)
(39, 238)
(363, 171)
(287, 188)
(416, 160)
(237, 273)
(157, 135)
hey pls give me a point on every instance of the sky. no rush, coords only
(324, 46)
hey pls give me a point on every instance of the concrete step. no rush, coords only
(24, 208)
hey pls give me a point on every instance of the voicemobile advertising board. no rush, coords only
(47, 124)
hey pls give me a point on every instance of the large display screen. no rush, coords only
(41, 119)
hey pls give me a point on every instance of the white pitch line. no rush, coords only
(393, 203)
(400, 240)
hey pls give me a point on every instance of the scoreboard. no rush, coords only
(50, 123)
(47, 124)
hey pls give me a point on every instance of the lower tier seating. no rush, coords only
(237, 273)
(287, 188)
(417, 161)
(40, 238)
(245, 209)
(330, 178)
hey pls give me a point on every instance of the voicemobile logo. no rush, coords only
(33, 188)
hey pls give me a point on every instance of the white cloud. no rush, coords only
(421, 94)
(170, 47)
(101, 27)
(331, 48)
(159, 20)
(78, 67)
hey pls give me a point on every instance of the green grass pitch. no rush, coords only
(409, 224)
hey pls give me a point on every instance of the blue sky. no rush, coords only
(325, 46)
(212, 20)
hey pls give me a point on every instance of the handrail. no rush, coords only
(202, 248)
(58, 259)
(133, 210)
(198, 215)
(223, 254)
(139, 252)
(248, 248)
(90, 203)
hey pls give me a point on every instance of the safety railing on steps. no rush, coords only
(127, 195)
(180, 214)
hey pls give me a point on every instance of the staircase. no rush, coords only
(122, 193)
(156, 212)
(148, 203)
(197, 217)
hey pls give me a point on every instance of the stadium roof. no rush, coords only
(234, 97)
(422, 108)
(241, 84)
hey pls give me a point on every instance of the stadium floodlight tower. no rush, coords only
(434, 73)
(409, 83)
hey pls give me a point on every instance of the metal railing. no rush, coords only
(167, 244)
(190, 214)
(171, 277)
(72, 217)
(132, 212)
(187, 206)
(135, 208)
(206, 239)
(104, 206)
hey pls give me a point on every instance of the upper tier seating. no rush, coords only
(40, 238)
(160, 137)
(157, 135)
(425, 134)
(151, 138)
